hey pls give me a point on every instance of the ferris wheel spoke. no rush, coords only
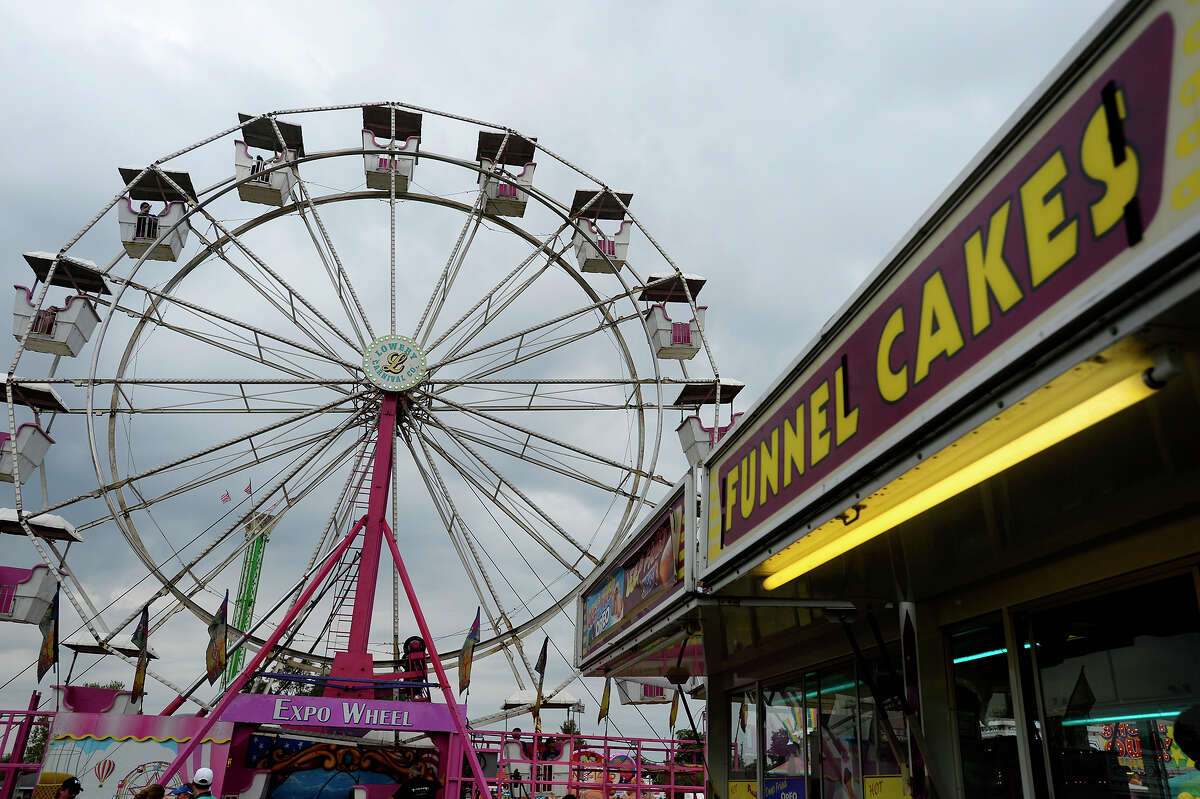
(326, 540)
(526, 455)
(169, 584)
(491, 293)
(604, 305)
(500, 621)
(290, 291)
(153, 315)
(253, 350)
(338, 277)
(502, 360)
(495, 494)
(304, 487)
(504, 482)
(530, 433)
(115, 484)
(214, 475)
(441, 288)
(459, 535)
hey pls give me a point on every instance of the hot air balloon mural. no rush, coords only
(104, 770)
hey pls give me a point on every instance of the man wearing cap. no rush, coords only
(69, 789)
(200, 786)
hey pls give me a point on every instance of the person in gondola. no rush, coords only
(257, 169)
(147, 223)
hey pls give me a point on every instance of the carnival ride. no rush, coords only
(271, 356)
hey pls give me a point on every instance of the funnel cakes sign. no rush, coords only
(649, 571)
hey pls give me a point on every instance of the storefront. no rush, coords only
(955, 548)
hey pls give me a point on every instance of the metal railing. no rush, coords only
(535, 766)
(16, 727)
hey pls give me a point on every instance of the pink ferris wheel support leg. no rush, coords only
(460, 723)
(268, 646)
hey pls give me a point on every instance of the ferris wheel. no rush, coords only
(223, 371)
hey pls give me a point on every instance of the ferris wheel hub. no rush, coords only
(394, 363)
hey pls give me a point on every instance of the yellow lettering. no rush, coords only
(1052, 241)
(845, 419)
(1191, 39)
(1188, 140)
(1120, 181)
(747, 490)
(988, 272)
(939, 331)
(731, 481)
(793, 446)
(892, 385)
(768, 467)
(818, 417)
(1190, 89)
(1186, 191)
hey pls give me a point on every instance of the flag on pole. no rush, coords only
(742, 714)
(674, 709)
(540, 668)
(48, 654)
(141, 638)
(142, 632)
(218, 634)
(603, 714)
(468, 651)
(249, 487)
(226, 499)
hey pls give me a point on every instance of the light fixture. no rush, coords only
(1014, 436)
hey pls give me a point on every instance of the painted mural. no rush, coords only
(652, 570)
(303, 769)
(115, 756)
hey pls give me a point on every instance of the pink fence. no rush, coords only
(16, 727)
(590, 767)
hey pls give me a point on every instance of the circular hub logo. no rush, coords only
(394, 363)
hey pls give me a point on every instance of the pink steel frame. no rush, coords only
(357, 660)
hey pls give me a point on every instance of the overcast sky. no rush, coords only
(780, 150)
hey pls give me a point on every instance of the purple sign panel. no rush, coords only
(651, 571)
(1079, 197)
(320, 711)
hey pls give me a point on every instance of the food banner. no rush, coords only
(645, 573)
(1091, 189)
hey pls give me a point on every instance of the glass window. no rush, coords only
(834, 695)
(785, 732)
(882, 753)
(743, 759)
(1113, 672)
(983, 703)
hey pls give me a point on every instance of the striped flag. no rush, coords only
(218, 634)
(604, 700)
(142, 632)
(141, 639)
(468, 652)
(48, 654)
(540, 668)
(226, 499)
(249, 488)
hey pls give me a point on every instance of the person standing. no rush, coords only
(69, 789)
